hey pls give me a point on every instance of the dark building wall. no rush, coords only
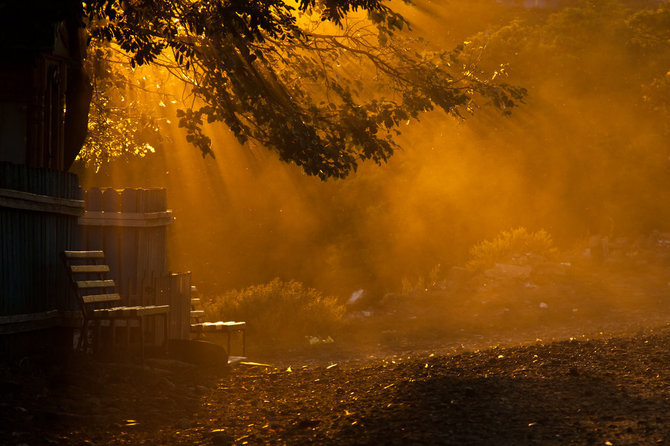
(42, 48)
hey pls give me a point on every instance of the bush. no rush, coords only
(514, 246)
(278, 312)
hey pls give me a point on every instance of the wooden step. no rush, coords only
(89, 268)
(99, 298)
(95, 283)
(84, 254)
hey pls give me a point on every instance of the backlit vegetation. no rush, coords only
(587, 154)
(278, 312)
(514, 246)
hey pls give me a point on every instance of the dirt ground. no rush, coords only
(611, 389)
(560, 358)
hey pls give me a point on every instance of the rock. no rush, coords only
(198, 352)
(221, 438)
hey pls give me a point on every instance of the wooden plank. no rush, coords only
(129, 200)
(96, 298)
(111, 204)
(3, 257)
(185, 301)
(223, 326)
(111, 200)
(125, 312)
(127, 219)
(46, 227)
(23, 327)
(154, 309)
(26, 299)
(128, 246)
(95, 283)
(21, 323)
(142, 200)
(18, 318)
(84, 254)
(143, 275)
(94, 199)
(163, 252)
(93, 238)
(152, 252)
(111, 247)
(40, 203)
(89, 268)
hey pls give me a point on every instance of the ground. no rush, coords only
(561, 355)
(611, 388)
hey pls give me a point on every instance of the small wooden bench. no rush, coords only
(96, 294)
(200, 328)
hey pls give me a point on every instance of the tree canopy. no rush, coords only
(324, 83)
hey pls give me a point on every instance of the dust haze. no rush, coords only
(585, 158)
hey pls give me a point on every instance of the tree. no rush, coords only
(122, 123)
(324, 83)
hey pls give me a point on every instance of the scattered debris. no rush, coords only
(255, 364)
(315, 340)
(355, 296)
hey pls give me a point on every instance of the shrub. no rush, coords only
(278, 312)
(514, 246)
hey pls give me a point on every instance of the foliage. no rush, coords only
(589, 39)
(650, 35)
(278, 312)
(597, 76)
(324, 83)
(585, 155)
(510, 247)
(651, 28)
(121, 122)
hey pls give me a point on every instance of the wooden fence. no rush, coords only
(43, 212)
(39, 209)
(38, 220)
(130, 226)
